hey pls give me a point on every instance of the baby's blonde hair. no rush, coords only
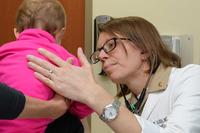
(48, 15)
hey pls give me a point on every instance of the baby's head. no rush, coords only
(48, 15)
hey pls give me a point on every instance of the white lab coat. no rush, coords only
(173, 104)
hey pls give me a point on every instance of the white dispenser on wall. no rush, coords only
(99, 20)
(182, 45)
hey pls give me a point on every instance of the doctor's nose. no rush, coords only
(103, 55)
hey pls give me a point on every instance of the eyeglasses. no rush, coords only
(107, 47)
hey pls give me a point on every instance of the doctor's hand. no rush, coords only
(76, 83)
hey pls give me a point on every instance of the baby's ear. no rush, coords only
(16, 33)
(62, 32)
(59, 35)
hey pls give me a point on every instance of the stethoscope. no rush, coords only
(135, 108)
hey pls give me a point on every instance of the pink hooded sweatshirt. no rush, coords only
(15, 73)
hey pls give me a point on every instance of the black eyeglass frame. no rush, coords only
(106, 51)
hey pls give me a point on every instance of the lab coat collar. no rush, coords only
(159, 80)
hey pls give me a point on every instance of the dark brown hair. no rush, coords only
(146, 37)
(48, 15)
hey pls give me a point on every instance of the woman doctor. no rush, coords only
(165, 98)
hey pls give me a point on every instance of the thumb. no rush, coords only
(82, 57)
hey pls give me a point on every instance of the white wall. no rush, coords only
(172, 17)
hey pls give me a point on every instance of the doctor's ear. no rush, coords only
(144, 55)
(16, 33)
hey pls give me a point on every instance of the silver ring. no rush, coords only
(50, 71)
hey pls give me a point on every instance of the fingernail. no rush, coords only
(40, 49)
(30, 63)
(29, 56)
(80, 49)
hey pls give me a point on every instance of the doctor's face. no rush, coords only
(121, 59)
